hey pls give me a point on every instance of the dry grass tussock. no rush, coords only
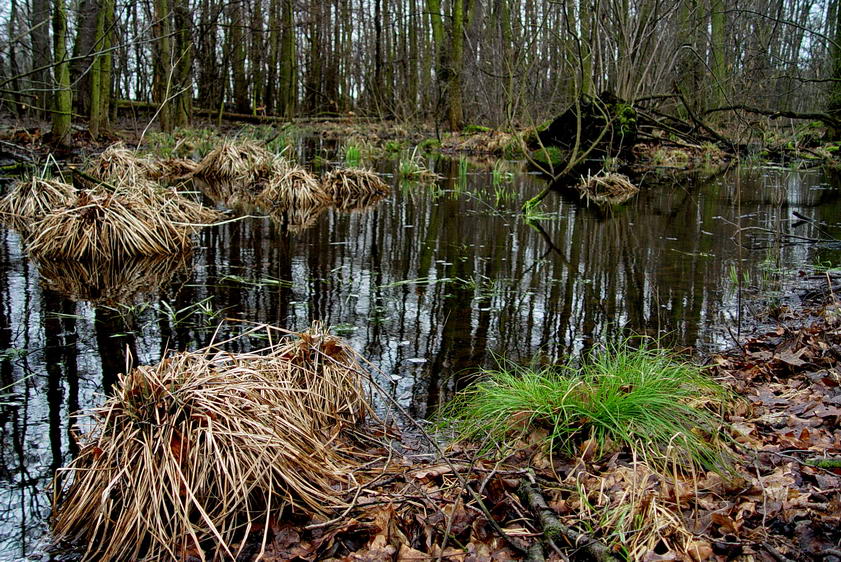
(482, 142)
(354, 188)
(132, 218)
(120, 164)
(33, 198)
(240, 161)
(607, 189)
(290, 189)
(115, 282)
(207, 446)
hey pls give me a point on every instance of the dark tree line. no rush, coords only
(496, 62)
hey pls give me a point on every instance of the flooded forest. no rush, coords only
(461, 280)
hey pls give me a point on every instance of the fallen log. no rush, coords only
(553, 529)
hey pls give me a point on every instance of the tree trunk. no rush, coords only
(454, 86)
(182, 102)
(99, 83)
(162, 53)
(717, 45)
(40, 37)
(13, 64)
(288, 86)
(834, 106)
(88, 34)
(237, 47)
(62, 96)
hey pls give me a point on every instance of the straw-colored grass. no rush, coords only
(171, 169)
(32, 198)
(290, 189)
(118, 164)
(111, 283)
(239, 161)
(168, 203)
(354, 188)
(607, 189)
(104, 226)
(204, 447)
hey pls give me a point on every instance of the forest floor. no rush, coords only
(778, 505)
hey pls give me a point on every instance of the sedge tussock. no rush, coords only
(117, 163)
(641, 399)
(290, 189)
(168, 203)
(32, 198)
(115, 282)
(102, 226)
(206, 445)
(607, 189)
(171, 169)
(354, 188)
(239, 161)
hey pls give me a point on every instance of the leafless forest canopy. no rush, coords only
(492, 62)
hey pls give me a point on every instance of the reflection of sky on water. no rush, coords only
(426, 284)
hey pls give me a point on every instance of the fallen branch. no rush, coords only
(554, 529)
(824, 463)
(776, 114)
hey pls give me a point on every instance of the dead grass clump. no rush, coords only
(607, 189)
(33, 198)
(206, 446)
(290, 189)
(239, 161)
(168, 203)
(111, 283)
(104, 226)
(354, 188)
(171, 169)
(120, 164)
(481, 142)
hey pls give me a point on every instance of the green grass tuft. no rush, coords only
(642, 399)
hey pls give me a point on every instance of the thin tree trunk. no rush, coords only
(40, 37)
(62, 96)
(182, 103)
(162, 53)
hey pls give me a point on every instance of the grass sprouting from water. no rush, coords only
(643, 399)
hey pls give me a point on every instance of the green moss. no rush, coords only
(429, 145)
(393, 146)
(473, 129)
(549, 156)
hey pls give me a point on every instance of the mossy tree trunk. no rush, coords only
(455, 112)
(62, 96)
(834, 105)
(288, 68)
(99, 85)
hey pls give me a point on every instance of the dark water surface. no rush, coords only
(427, 284)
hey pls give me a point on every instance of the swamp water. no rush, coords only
(429, 283)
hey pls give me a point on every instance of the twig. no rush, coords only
(553, 528)
(462, 481)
